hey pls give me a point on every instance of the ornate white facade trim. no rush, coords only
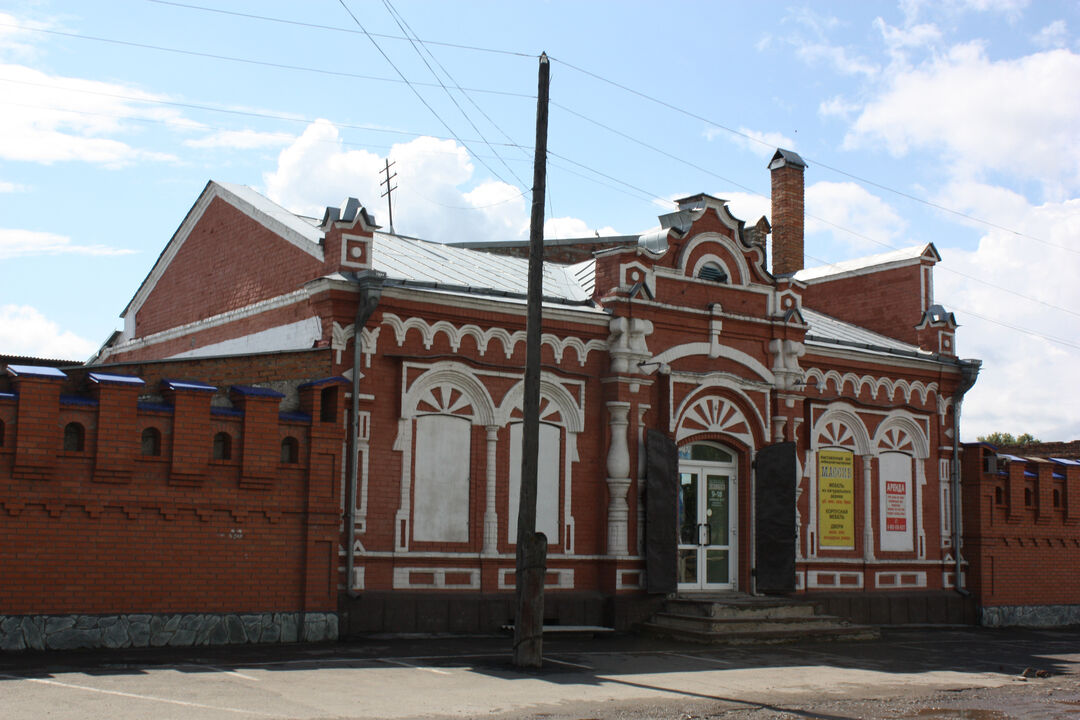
(815, 376)
(509, 340)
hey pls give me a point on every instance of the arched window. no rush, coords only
(290, 451)
(223, 446)
(713, 272)
(151, 442)
(74, 437)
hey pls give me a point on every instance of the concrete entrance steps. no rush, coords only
(734, 618)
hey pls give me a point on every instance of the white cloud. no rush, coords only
(25, 331)
(26, 243)
(1026, 382)
(241, 140)
(10, 187)
(832, 208)
(838, 107)
(746, 206)
(984, 115)
(818, 49)
(51, 118)
(839, 57)
(1053, 35)
(756, 141)
(571, 227)
(437, 196)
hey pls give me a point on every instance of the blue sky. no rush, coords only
(951, 122)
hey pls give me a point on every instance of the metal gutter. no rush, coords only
(370, 284)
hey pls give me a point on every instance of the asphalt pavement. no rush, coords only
(463, 677)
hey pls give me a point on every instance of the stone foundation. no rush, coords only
(1030, 615)
(68, 632)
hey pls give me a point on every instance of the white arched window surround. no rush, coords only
(436, 463)
(562, 418)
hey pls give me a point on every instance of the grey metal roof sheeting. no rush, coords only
(410, 259)
(830, 331)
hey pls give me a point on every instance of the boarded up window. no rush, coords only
(547, 481)
(441, 485)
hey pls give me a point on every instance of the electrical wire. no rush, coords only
(416, 92)
(402, 25)
(248, 61)
(283, 21)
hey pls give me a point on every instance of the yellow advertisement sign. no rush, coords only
(836, 499)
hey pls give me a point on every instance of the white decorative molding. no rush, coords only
(899, 579)
(737, 256)
(623, 577)
(491, 516)
(786, 354)
(710, 349)
(454, 335)
(558, 405)
(822, 379)
(714, 414)
(710, 419)
(134, 343)
(363, 431)
(618, 480)
(447, 387)
(626, 344)
(834, 580)
(340, 337)
(564, 579)
(403, 578)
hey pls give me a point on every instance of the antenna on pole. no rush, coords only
(389, 190)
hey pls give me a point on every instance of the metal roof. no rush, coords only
(265, 205)
(903, 255)
(828, 330)
(411, 259)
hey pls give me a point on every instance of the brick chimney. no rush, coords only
(787, 212)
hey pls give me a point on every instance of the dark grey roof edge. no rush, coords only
(932, 357)
(553, 242)
(482, 291)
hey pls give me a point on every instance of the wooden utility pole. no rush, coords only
(531, 545)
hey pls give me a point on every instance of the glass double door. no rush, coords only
(707, 527)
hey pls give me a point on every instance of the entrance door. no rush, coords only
(707, 518)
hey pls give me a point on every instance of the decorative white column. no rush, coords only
(868, 509)
(618, 481)
(491, 516)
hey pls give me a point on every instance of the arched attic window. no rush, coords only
(713, 273)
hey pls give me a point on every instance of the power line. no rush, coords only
(252, 16)
(417, 92)
(248, 61)
(963, 311)
(645, 96)
(752, 138)
(404, 27)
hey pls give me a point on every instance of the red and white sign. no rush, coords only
(895, 502)
(896, 506)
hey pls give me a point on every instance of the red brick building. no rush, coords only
(807, 416)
